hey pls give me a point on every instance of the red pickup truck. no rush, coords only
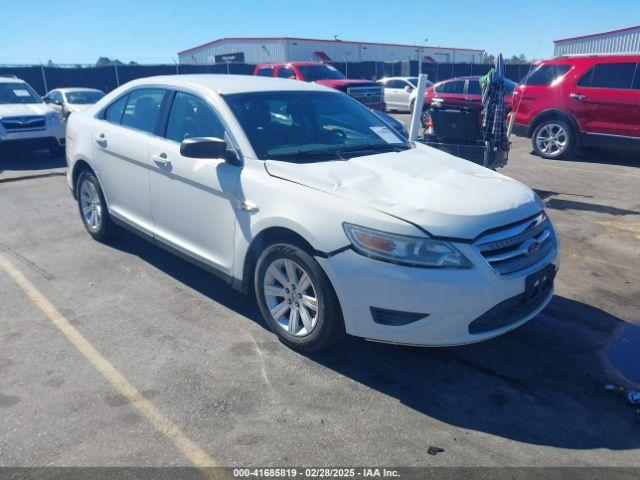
(366, 92)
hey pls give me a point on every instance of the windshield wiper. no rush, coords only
(306, 154)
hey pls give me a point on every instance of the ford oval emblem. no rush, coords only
(532, 248)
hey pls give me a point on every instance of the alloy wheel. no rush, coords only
(291, 297)
(552, 139)
(90, 205)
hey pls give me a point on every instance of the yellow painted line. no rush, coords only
(161, 423)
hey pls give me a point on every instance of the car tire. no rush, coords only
(286, 281)
(93, 207)
(56, 150)
(553, 139)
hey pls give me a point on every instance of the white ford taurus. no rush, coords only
(299, 194)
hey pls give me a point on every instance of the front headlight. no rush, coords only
(405, 250)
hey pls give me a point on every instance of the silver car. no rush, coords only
(397, 91)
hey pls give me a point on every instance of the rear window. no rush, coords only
(474, 88)
(545, 75)
(454, 87)
(265, 72)
(609, 75)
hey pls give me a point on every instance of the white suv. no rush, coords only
(26, 120)
(299, 194)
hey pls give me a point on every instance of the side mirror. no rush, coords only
(207, 147)
(408, 89)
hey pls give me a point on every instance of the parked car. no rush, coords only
(305, 198)
(398, 90)
(462, 91)
(69, 100)
(579, 101)
(25, 120)
(366, 92)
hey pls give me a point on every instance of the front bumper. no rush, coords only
(450, 299)
(47, 137)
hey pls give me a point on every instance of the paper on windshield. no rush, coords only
(386, 134)
(21, 93)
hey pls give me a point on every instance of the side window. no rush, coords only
(636, 80)
(143, 108)
(454, 87)
(286, 72)
(609, 75)
(546, 74)
(114, 112)
(395, 84)
(192, 117)
(473, 87)
(265, 72)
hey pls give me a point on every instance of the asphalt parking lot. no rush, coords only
(199, 356)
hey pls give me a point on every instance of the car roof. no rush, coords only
(229, 84)
(10, 80)
(78, 89)
(279, 64)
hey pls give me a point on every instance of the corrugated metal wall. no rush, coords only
(618, 42)
(261, 51)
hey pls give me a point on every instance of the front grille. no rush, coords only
(517, 247)
(366, 95)
(23, 123)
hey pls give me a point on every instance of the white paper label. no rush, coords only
(21, 93)
(386, 134)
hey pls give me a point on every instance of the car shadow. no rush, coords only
(550, 201)
(540, 384)
(15, 159)
(607, 156)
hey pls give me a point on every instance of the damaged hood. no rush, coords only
(443, 194)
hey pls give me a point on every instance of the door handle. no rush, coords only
(577, 96)
(101, 140)
(162, 161)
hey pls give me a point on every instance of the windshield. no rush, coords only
(18, 92)
(83, 97)
(299, 124)
(311, 73)
(413, 81)
(509, 85)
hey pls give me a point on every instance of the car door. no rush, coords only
(121, 150)
(605, 102)
(394, 92)
(193, 199)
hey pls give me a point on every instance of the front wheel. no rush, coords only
(553, 139)
(296, 299)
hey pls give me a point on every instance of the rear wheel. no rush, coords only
(296, 299)
(93, 208)
(553, 139)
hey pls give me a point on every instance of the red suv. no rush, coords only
(582, 100)
(465, 91)
(369, 93)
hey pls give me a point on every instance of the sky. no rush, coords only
(152, 31)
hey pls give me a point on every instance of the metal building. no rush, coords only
(288, 49)
(625, 40)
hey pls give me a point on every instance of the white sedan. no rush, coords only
(301, 196)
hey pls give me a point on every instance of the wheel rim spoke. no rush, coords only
(291, 272)
(304, 282)
(310, 302)
(277, 274)
(307, 321)
(293, 321)
(280, 310)
(274, 291)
